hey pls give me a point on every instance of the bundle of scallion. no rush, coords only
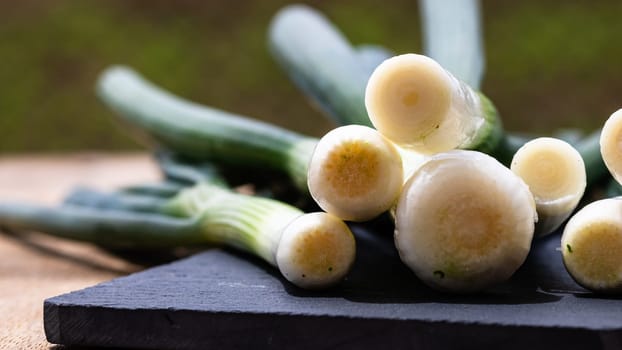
(334, 173)
(347, 163)
(313, 250)
(453, 235)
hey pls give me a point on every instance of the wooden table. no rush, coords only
(34, 267)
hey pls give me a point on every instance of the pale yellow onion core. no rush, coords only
(555, 173)
(611, 145)
(592, 246)
(464, 221)
(417, 104)
(316, 250)
(355, 173)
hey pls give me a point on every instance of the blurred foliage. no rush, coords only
(550, 64)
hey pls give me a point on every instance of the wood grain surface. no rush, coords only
(33, 266)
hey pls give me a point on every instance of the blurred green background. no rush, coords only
(549, 64)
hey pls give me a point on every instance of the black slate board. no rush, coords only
(222, 299)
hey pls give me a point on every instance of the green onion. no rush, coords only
(161, 189)
(592, 246)
(201, 132)
(314, 250)
(416, 103)
(464, 221)
(555, 174)
(319, 59)
(85, 197)
(355, 173)
(280, 234)
(304, 247)
(117, 229)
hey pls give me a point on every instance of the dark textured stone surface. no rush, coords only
(221, 299)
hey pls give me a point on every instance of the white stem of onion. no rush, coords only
(417, 104)
(316, 250)
(611, 145)
(592, 246)
(355, 173)
(464, 221)
(555, 174)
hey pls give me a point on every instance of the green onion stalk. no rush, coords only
(321, 62)
(162, 189)
(452, 36)
(350, 153)
(149, 197)
(120, 200)
(313, 250)
(199, 132)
